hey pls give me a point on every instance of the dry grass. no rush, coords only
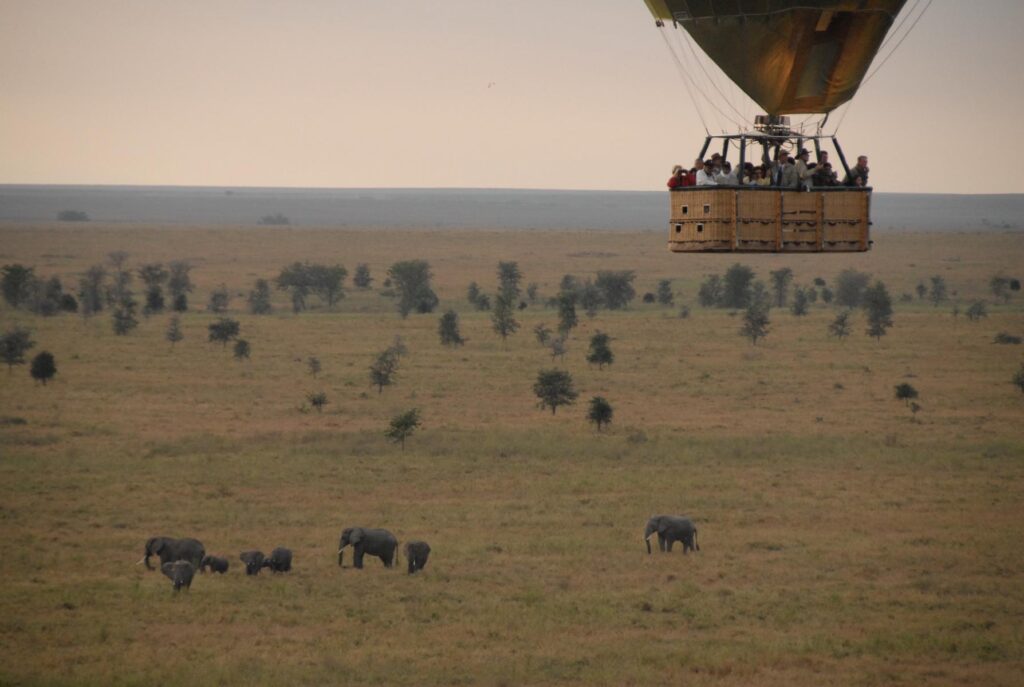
(842, 543)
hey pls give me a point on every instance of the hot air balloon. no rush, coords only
(786, 57)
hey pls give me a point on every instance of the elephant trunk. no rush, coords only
(145, 559)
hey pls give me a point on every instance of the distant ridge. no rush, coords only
(452, 208)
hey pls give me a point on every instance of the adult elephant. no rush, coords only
(170, 550)
(670, 529)
(365, 540)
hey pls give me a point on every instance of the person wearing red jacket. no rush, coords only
(678, 179)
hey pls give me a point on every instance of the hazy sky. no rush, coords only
(574, 94)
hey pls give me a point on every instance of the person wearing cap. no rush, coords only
(782, 172)
(678, 178)
(706, 175)
(823, 175)
(803, 172)
(858, 176)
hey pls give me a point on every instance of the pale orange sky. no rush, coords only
(562, 94)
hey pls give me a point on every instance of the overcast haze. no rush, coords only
(573, 94)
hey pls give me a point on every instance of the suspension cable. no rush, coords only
(689, 44)
(724, 117)
(686, 79)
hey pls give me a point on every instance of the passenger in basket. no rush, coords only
(727, 177)
(678, 178)
(706, 176)
(783, 173)
(803, 171)
(824, 176)
(858, 176)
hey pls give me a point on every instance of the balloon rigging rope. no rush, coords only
(686, 79)
(688, 61)
(689, 44)
(892, 52)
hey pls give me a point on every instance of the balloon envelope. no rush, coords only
(789, 56)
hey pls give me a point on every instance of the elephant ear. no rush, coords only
(356, 536)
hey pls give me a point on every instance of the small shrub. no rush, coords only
(543, 334)
(1005, 338)
(906, 393)
(976, 311)
(313, 366)
(43, 367)
(600, 352)
(600, 412)
(318, 400)
(648, 297)
(72, 216)
(223, 330)
(14, 344)
(448, 330)
(174, 333)
(242, 350)
(665, 295)
(274, 220)
(684, 312)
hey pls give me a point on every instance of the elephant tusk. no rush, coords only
(141, 561)
(341, 549)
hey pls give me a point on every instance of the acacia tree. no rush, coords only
(503, 318)
(710, 293)
(403, 425)
(412, 281)
(43, 367)
(600, 412)
(878, 306)
(1018, 378)
(448, 330)
(242, 350)
(14, 344)
(179, 284)
(755, 322)
(566, 313)
(174, 333)
(383, 369)
(554, 388)
(154, 276)
(558, 348)
(122, 316)
(976, 311)
(736, 287)
(850, 287)
(91, 286)
(665, 295)
(800, 301)
(16, 283)
(841, 327)
(781, 279)
(259, 298)
(921, 290)
(509, 278)
(615, 287)
(906, 393)
(543, 334)
(600, 352)
(362, 279)
(219, 300)
(937, 294)
(223, 330)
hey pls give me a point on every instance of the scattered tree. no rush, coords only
(781, 279)
(567, 319)
(14, 344)
(616, 288)
(1018, 378)
(665, 295)
(938, 292)
(543, 334)
(274, 220)
(242, 350)
(878, 306)
(174, 333)
(219, 300)
(800, 302)
(43, 367)
(362, 279)
(259, 298)
(122, 317)
(850, 287)
(179, 284)
(531, 292)
(398, 347)
(819, 282)
(841, 326)
(72, 216)
(412, 279)
(382, 371)
(711, 290)
(600, 352)
(154, 276)
(1000, 286)
(402, 426)
(826, 295)
(976, 311)
(590, 297)
(313, 365)
(509, 278)
(755, 322)
(503, 318)
(16, 282)
(223, 330)
(648, 297)
(558, 348)
(922, 291)
(736, 287)
(318, 400)
(90, 290)
(448, 330)
(684, 312)
(600, 412)
(554, 388)
(906, 393)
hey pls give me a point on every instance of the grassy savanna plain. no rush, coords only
(842, 542)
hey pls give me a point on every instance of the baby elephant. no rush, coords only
(280, 560)
(180, 573)
(416, 552)
(670, 529)
(253, 560)
(215, 563)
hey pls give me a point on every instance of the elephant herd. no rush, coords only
(181, 558)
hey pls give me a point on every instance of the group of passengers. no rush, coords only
(783, 172)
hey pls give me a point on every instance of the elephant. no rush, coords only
(253, 561)
(280, 560)
(180, 573)
(416, 553)
(171, 550)
(670, 529)
(215, 563)
(376, 542)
